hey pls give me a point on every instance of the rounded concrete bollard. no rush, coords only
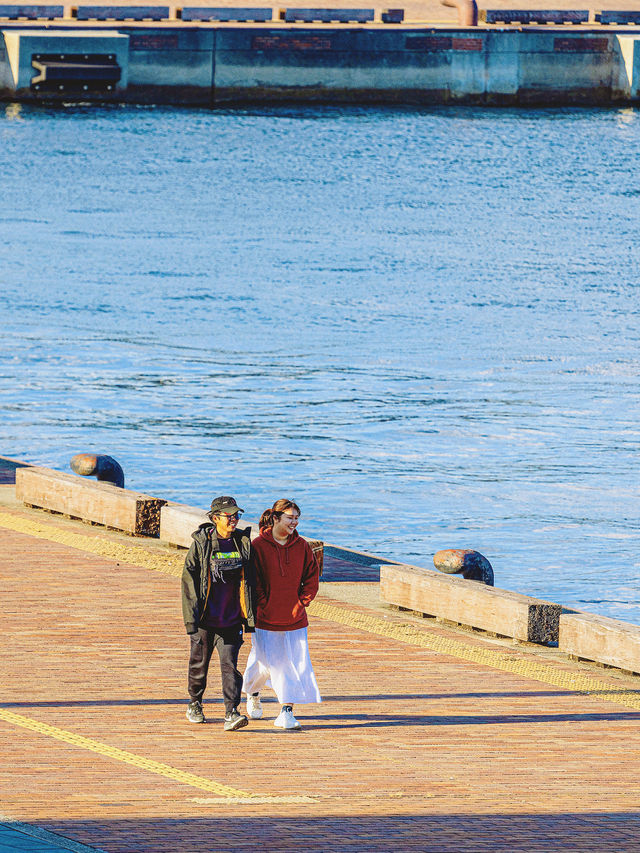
(463, 561)
(105, 468)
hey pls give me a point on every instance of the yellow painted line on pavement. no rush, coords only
(121, 755)
(494, 658)
(135, 556)
(406, 633)
(169, 564)
(224, 792)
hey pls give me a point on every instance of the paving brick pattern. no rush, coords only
(411, 749)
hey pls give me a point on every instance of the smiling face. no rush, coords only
(285, 525)
(225, 524)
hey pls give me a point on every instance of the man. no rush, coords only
(217, 601)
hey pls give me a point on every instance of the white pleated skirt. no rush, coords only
(280, 660)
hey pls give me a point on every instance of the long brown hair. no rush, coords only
(270, 516)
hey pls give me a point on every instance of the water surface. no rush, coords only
(421, 324)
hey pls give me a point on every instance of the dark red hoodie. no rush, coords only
(287, 581)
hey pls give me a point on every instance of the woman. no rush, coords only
(286, 583)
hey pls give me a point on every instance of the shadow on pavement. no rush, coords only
(501, 833)
(373, 697)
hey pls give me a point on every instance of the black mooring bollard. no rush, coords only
(105, 468)
(463, 561)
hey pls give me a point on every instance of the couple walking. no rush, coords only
(229, 584)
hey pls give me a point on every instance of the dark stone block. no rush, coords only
(393, 16)
(32, 13)
(122, 13)
(612, 17)
(327, 16)
(544, 623)
(222, 13)
(536, 16)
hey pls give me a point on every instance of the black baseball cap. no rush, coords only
(226, 504)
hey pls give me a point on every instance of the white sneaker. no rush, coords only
(254, 707)
(286, 720)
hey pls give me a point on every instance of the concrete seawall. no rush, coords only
(210, 64)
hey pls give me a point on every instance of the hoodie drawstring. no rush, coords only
(282, 549)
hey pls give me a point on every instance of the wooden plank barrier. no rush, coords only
(245, 14)
(327, 16)
(600, 639)
(534, 16)
(89, 500)
(470, 603)
(120, 13)
(614, 17)
(31, 13)
(178, 521)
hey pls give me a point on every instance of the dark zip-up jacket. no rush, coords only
(196, 576)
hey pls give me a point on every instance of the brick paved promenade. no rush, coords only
(428, 739)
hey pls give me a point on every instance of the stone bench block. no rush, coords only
(392, 16)
(31, 13)
(245, 14)
(178, 521)
(470, 603)
(612, 17)
(600, 639)
(89, 500)
(535, 16)
(121, 13)
(327, 16)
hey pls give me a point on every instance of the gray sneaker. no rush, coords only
(234, 720)
(194, 712)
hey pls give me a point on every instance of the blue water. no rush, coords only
(423, 325)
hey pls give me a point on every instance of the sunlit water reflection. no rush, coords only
(423, 325)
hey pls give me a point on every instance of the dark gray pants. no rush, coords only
(227, 641)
